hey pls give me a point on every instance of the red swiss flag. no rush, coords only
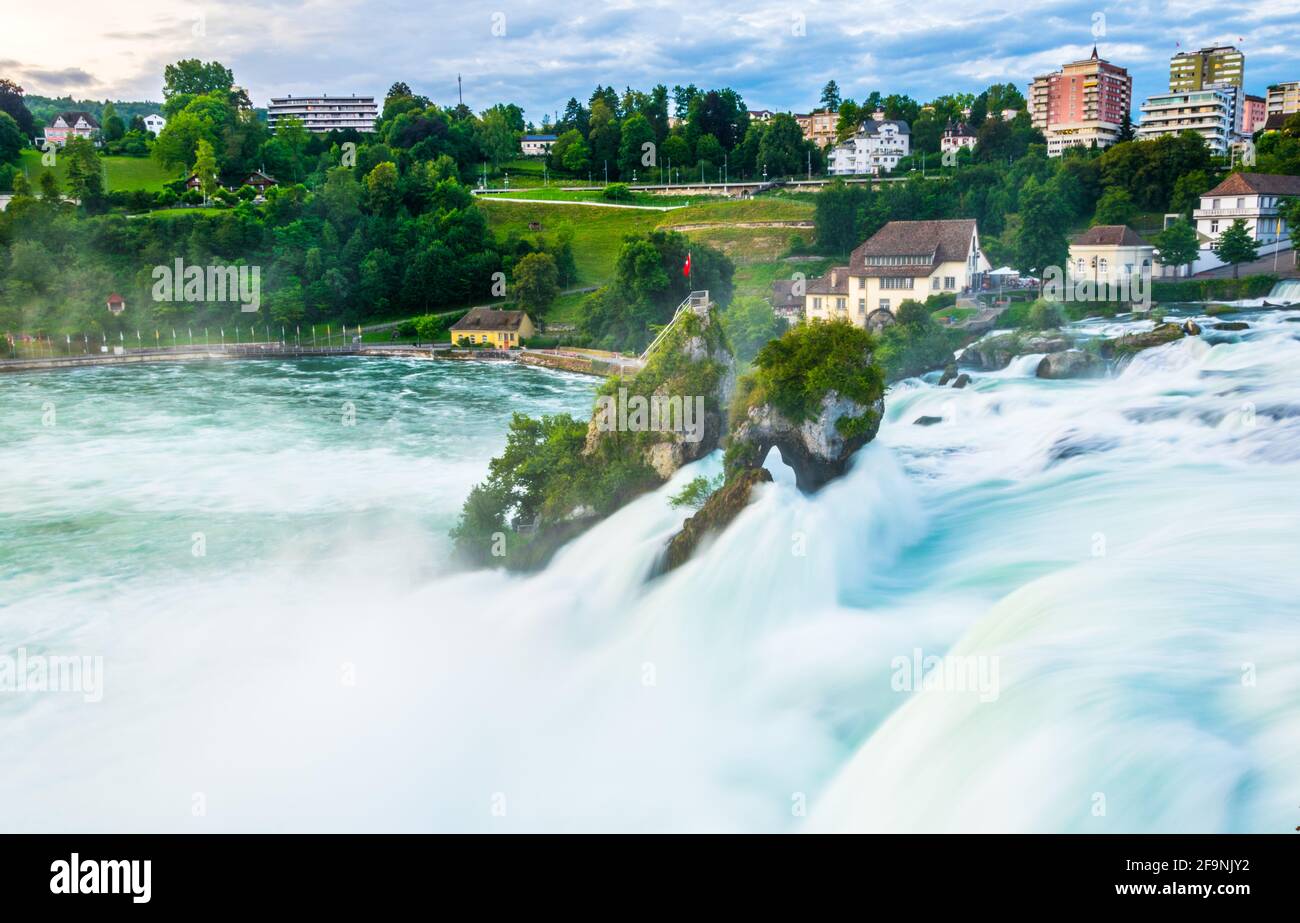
(686, 270)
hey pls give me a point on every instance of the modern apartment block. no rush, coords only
(1081, 105)
(1210, 112)
(325, 113)
(1196, 70)
(1284, 98)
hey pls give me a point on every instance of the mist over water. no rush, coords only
(1122, 549)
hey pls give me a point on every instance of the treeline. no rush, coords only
(709, 134)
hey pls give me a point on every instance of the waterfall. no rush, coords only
(1285, 291)
(1069, 605)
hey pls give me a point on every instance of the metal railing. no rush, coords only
(697, 302)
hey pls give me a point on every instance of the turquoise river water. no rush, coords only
(258, 553)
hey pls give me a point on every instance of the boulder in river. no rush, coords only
(1232, 325)
(1131, 343)
(926, 421)
(1073, 363)
(996, 352)
(961, 380)
(949, 373)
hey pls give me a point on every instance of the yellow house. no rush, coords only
(487, 327)
(903, 260)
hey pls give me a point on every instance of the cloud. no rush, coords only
(549, 52)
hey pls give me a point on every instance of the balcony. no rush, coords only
(1261, 212)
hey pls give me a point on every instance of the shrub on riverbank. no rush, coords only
(1213, 289)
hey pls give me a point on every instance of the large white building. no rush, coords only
(876, 147)
(325, 113)
(1253, 197)
(903, 260)
(154, 123)
(1211, 112)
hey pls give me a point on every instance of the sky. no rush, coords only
(777, 55)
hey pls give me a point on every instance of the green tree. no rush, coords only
(381, 189)
(830, 98)
(577, 157)
(11, 102)
(1040, 242)
(1115, 207)
(205, 168)
(1177, 245)
(11, 139)
(1235, 246)
(536, 283)
(111, 123)
(85, 175)
(194, 78)
(637, 132)
(782, 147)
(749, 323)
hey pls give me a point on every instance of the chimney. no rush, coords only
(835, 277)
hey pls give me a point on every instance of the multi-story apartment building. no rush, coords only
(325, 113)
(1283, 98)
(1254, 113)
(1252, 197)
(876, 148)
(1081, 105)
(1196, 70)
(904, 259)
(1210, 112)
(819, 126)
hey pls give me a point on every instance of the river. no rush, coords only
(258, 553)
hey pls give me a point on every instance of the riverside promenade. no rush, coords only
(581, 361)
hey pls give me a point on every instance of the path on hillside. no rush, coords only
(710, 225)
(644, 208)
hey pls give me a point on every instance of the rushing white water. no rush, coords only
(1116, 555)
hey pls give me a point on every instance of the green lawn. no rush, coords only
(597, 232)
(120, 173)
(169, 213)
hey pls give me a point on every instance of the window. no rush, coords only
(1078, 266)
(1215, 203)
(949, 282)
(895, 282)
(1101, 265)
(1214, 226)
(862, 306)
(934, 283)
(862, 283)
(817, 304)
(1241, 203)
(884, 304)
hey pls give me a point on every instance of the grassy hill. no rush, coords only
(741, 228)
(120, 173)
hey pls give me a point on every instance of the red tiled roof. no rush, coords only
(1110, 235)
(933, 241)
(1256, 184)
(825, 286)
(490, 319)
